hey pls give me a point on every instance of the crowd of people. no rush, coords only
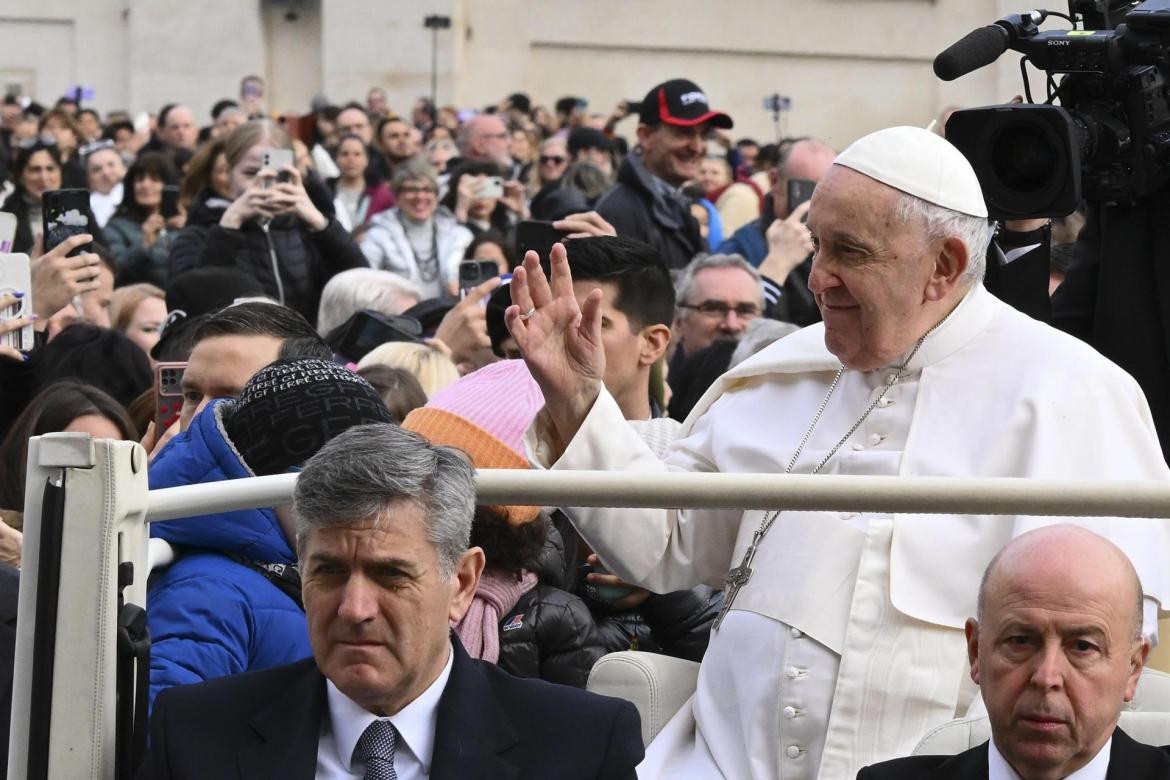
(660, 296)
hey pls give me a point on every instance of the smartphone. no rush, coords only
(368, 329)
(635, 106)
(275, 160)
(491, 187)
(473, 273)
(799, 191)
(65, 213)
(170, 201)
(603, 594)
(168, 395)
(16, 276)
(7, 231)
(534, 235)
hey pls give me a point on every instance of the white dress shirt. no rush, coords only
(103, 206)
(347, 722)
(999, 769)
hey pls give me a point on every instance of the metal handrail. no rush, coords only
(917, 495)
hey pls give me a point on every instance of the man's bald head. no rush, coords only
(1066, 548)
(1057, 649)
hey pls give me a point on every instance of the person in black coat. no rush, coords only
(273, 230)
(383, 520)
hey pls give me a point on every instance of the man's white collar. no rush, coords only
(999, 769)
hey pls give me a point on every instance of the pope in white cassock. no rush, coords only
(845, 645)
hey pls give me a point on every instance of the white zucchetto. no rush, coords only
(920, 163)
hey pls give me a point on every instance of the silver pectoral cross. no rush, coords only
(738, 577)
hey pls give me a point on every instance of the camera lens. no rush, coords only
(1023, 158)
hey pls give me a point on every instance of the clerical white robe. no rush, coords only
(847, 645)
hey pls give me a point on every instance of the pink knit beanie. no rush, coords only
(485, 414)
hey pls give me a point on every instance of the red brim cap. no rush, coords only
(716, 118)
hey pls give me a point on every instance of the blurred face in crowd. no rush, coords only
(352, 159)
(379, 605)
(417, 199)
(806, 160)
(447, 117)
(522, 150)
(730, 300)
(418, 114)
(180, 130)
(376, 101)
(10, 115)
(397, 140)
(873, 277)
(26, 130)
(490, 140)
(354, 121)
(123, 138)
(673, 153)
(1058, 649)
(104, 169)
(597, 157)
(219, 367)
(713, 174)
(63, 133)
(439, 152)
(148, 192)
(748, 154)
(244, 173)
(221, 183)
(87, 122)
(146, 321)
(553, 160)
(40, 173)
(227, 121)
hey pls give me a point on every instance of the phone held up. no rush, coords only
(64, 214)
(168, 395)
(799, 191)
(16, 276)
(275, 160)
(473, 273)
(490, 187)
(170, 202)
(534, 235)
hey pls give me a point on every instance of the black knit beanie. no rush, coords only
(290, 408)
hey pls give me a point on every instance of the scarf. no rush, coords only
(497, 593)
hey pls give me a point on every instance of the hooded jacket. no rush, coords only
(644, 207)
(208, 615)
(291, 262)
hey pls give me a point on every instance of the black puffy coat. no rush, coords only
(550, 632)
(291, 262)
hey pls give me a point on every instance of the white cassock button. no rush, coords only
(858, 446)
(796, 633)
(792, 673)
(882, 404)
(793, 751)
(875, 439)
(790, 712)
(891, 377)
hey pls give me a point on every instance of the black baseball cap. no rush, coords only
(588, 138)
(681, 103)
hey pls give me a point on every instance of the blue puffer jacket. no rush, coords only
(208, 615)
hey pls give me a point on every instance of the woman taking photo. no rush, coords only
(138, 235)
(271, 231)
(354, 200)
(37, 169)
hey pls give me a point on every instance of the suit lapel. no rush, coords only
(472, 728)
(1129, 759)
(968, 765)
(287, 731)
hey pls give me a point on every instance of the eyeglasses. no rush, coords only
(554, 159)
(409, 190)
(40, 141)
(720, 310)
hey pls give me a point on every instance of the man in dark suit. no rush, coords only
(383, 525)
(1057, 649)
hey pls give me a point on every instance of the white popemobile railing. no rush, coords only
(86, 555)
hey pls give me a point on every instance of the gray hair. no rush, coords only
(760, 332)
(362, 288)
(686, 280)
(414, 169)
(940, 222)
(360, 474)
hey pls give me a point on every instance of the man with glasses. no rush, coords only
(485, 138)
(716, 297)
